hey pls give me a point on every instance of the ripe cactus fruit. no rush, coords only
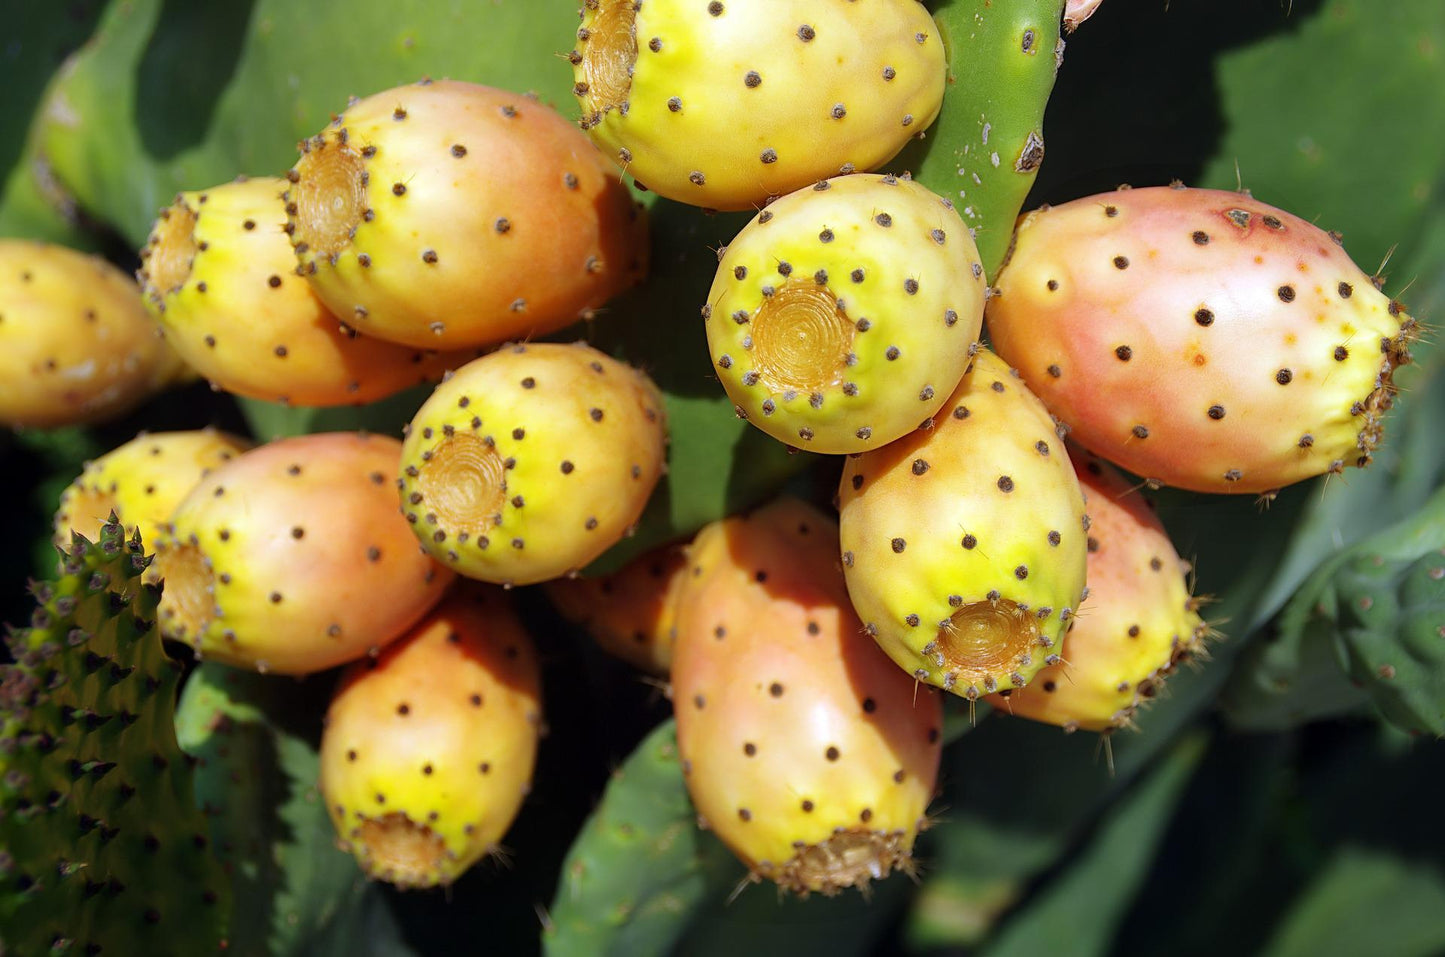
(804, 751)
(428, 751)
(1200, 338)
(631, 613)
(1138, 621)
(845, 313)
(219, 276)
(76, 344)
(292, 558)
(531, 461)
(964, 543)
(489, 201)
(142, 482)
(724, 105)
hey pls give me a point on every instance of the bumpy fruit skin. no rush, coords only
(727, 104)
(292, 558)
(845, 313)
(76, 343)
(531, 461)
(804, 750)
(142, 482)
(963, 543)
(448, 215)
(220, 277)
(1200, 338)
(428, 751)
(632, 612)
(1137, 623)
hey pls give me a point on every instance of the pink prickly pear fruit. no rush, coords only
(845, 313)
(76, 343)
(631, 613)
(1137, 623)
(528, 463)
(964, 543)
(490, 202)
(1200, 338)
(220, 277)
(142, 482)
(428, 751)
(809, 755)
(291, 558)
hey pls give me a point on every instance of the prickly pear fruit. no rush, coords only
(291, 558)
(1077, 11)
(844, 314)
(428, 751)
(1200, 338)
(805, 751)
(487, 202)
(631, 612)
(76, 343)
(142, 482)
(964, 543)
(220, 277)
(724, 105)
(1138, 621)
(531, 461)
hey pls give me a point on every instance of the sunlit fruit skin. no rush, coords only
(1200, 338)
(804, 750)
(448, 215)
(727, 104)
(292, 558)
(529, 462)
(428, 751)
(76, 344)
(631, 613)
(1137, 623)
(844, 314)
(963, 543)
(220, 277)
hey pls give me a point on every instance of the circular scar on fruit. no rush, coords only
(188, 602)
(801, 339)
(609, 53)
(464, 484)
(330, 197)
(983, 639)
(173, 250)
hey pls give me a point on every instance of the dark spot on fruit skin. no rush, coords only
(899, 545)
(806, 33)
(1005, 484)
(1200, 237)
(1204, 317)
(775, 689)
(1283, 376)
(1341, 353)
(1121, 262)
(1216, 412)
(1286, 293)
(1124, 353)
(1345, 290)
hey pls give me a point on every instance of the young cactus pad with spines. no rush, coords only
(727, 104)
(102, 846)
(488, 200)
(805, 751)
(428, 751)
(845, 313)
(221, 278)
(76, 344)
(292, 558)
(964, 543)
(531, 461)
(1137, 623)
(1200, 338)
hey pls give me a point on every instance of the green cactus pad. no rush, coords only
(102, 840)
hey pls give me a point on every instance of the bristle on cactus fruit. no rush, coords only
(428, 751)
(489, 201)
(531, 461)
(963, 543)
(291, 558)
(220, 277)
(76, 343)
(724, 105)
(809, 755)
(845, 313)
(1137, 623)
(1200, 338)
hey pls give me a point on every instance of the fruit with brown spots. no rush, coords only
(1200, 338)
(428, 751)
(804, 750)
(447, 215)
(291, 558)
(531, 461)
